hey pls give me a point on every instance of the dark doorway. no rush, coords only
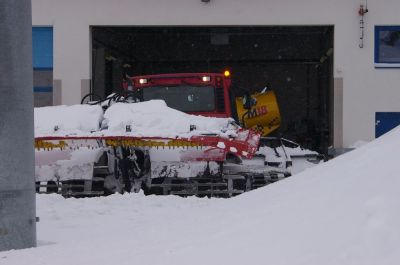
(294, 61)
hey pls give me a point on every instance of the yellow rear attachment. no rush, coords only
(264, 115)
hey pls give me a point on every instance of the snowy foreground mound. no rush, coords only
(346, 211)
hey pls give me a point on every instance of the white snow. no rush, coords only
(66, 164)
(155, 118)
(298, 151)
(61, 120)
(301, 158)
(345, 211)
(151, 119)
(221, 145)
(233, 149)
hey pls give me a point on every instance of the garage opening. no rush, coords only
(294, 61)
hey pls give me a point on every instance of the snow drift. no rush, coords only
(345, 211)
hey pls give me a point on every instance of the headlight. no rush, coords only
(206, 79)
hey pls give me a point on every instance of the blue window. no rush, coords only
(387, 46)
(42, 53)
(386, 121)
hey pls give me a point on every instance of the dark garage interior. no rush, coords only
(294, 61)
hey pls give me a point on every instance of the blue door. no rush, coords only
(385, 121)
(42, 48)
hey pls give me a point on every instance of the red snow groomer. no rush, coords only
(165, 134)
(136, 146)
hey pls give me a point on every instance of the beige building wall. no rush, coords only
(363, 89)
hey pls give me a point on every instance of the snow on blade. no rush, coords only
(61, 120)
(221, 145)
(149, 119)
(155, 118)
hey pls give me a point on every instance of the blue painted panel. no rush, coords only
(42, 43)
(47, 89)
(386, 121)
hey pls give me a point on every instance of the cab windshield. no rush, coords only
(186, 98)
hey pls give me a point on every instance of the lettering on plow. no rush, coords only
(152, 143)
(39, 144)
(258, 111)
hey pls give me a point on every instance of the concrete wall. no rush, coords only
(365, 89)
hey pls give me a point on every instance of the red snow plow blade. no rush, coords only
(199, 148)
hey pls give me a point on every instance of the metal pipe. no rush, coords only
(17, 186)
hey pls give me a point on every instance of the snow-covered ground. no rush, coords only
(345, 211)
